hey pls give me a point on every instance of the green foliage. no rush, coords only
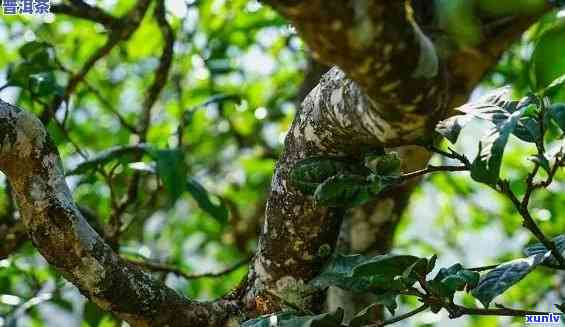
(540, 249)
(172, 170)
(451, 280)
(548, 59)
(498, 280)
(36, 71)
(337, 182)
(206, 202)
(309, 173)
(510, 7)
(557, 114)
(459, 19)
(486, 166)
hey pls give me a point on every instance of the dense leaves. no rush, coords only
(548, 59)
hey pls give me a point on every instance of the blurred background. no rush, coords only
(237, 75)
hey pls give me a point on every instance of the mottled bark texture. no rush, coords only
(372, 100)
(57, 228)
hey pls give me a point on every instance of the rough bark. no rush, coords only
(373, 101)
(57, 228)
(374, 45)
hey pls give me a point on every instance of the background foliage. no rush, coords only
(220, 120)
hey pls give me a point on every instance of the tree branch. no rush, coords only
(373, 43)
(82, 10)
(119, 32)
(57, 228)
(160, 267)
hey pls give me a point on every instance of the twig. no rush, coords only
(162, 73)
(160, 267)
(161, 77)
(456, 311)
(452, 154)
(483, 268)
(407, 315)
(529, 222)
(119, 33)
(432, 169)
(80, 9)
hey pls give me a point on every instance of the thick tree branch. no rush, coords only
(57, 228)
(374, 44)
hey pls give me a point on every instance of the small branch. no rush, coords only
(407, 315)
(118, 33)
(159, 82)
(530, 223)
(452, 154)
(82, 10)
(109, 155)
(483, 268)
(162, 73)
(457, 311)
(432, 169)
(159, 267)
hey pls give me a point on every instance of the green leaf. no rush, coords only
(308, 174)
(459, 20)
(384, 165)
(204, 199)
(33, 49)
(44, 84)
(452, 279)
(528, 130)
(492, 107)
(339, 272)
(539, 248)
(343, 191)
(92, 315)
(451, 127)
(498, 280)
(548, 60)
(557, 114)
(172, 170)
(486, 166)
(555, 86)
(387, 272)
